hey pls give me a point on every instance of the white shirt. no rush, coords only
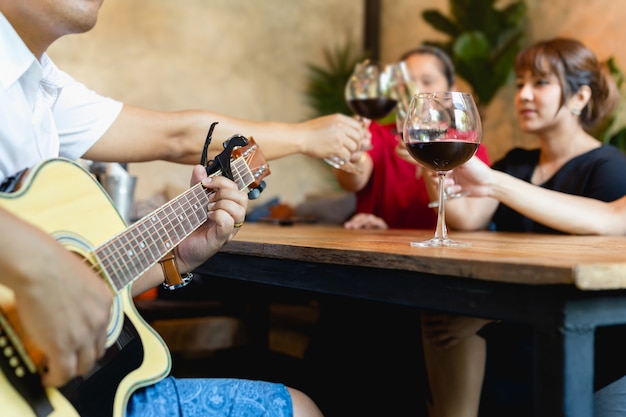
(44, 113)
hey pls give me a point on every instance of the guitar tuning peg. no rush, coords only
(256, 192)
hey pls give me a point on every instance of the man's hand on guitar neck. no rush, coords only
(227, 208)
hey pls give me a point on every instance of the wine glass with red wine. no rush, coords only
(442, 130)
(372, 93)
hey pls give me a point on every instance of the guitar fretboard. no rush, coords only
(138, 248)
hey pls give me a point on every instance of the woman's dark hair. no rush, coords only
(447, 67)
(574, 65)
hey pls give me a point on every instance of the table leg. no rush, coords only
(564, 367)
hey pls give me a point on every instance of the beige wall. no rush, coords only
(248, 58)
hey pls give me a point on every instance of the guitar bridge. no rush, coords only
(18, 368)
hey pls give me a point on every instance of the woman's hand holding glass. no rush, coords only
(334, 134)
(361, 144)
(472, 178)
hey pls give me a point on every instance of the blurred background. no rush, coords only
(252, 59)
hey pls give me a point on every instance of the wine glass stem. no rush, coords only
(441, 233)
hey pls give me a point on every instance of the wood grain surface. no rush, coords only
(588, 262)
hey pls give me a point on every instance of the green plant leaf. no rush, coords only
(607, 132)
(619, 139)
(483, 41)
(472, 57)
(615, 71)
(326, 82)
(514, 14)
(441, 23)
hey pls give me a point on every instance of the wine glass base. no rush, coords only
(440, 243)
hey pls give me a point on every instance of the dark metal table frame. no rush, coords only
(564, 318)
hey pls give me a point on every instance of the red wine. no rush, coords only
(372, 108)
(442, 155)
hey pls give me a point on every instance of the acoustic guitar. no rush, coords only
(66, 201)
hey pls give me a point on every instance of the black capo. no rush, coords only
(222, 161)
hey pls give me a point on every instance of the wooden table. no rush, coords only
(564, 286)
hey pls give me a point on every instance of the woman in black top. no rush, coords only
(562, 94)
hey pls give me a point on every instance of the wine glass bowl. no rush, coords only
(368, 91)
(442, 130)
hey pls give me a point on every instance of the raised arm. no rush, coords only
(561, 211)
(140, 134)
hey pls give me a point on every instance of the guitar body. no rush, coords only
(64, 200)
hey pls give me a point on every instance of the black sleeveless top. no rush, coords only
(599, 173)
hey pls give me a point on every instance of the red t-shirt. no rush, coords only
(393, 193)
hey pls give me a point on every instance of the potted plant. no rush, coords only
(483, 42)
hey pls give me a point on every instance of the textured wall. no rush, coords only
(248, 58)
(244, 58)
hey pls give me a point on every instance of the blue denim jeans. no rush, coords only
(610, 401)
(219, 397)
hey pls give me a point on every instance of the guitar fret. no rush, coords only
(195, 213)
(122, 254)
(139, 246)
(110, 262)
(167, 243)
(147, 243)
(244, 174)
(198, 203)
(130, 252)
(179, 226)
(119, 261)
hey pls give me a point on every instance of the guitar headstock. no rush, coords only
(254, 158)
(243, 162)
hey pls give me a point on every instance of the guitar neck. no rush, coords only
(128, 255)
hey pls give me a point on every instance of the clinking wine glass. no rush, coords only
(442, 130)
(371, 93)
